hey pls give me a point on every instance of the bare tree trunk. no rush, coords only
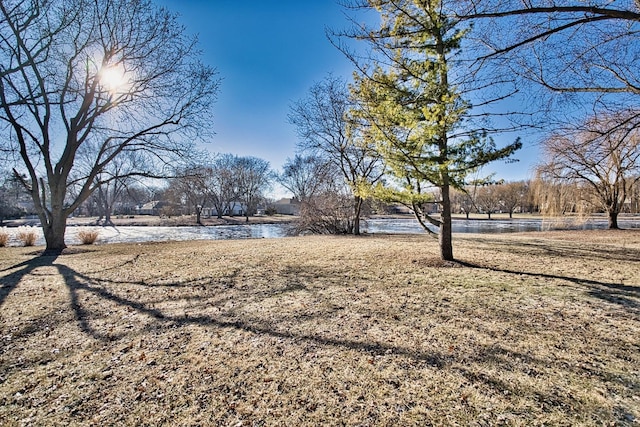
(54, 228)
(613, 219)
(53, 218)
(357, 211)
(219, 209)
(198, 215)
(105, 204)
(107, 219)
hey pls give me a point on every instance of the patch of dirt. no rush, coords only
(436, 262)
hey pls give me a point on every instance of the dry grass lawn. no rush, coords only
(528, 329)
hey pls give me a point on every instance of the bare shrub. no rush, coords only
(88, 237)
(27, 236)
(328, 213)
(4, 239)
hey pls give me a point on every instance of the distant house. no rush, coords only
(398, 209)
(237, 209)
(151, 208)
(287, 206)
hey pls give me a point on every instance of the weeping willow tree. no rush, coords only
(411, 93)
(556, 198)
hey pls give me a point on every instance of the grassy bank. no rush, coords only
(528, 329)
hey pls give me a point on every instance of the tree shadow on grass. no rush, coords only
(78, 282)
(624, 295)
(9, 282)
(565, 249)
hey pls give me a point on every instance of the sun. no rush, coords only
(113, 79)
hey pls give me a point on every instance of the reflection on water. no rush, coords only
(135, 234)
(411, 226)
(138, 234)
(219, 232)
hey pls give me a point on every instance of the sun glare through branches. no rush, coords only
(113, 79)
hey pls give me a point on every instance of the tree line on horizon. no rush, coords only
(94, 92)
(325, 206)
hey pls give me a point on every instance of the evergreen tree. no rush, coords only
(416, 112)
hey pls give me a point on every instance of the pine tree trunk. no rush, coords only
(446, 244)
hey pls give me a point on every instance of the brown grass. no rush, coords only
(27, 236)
(88, 237)
(4, 239)
(528, 329)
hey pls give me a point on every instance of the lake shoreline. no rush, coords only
(190, 220)
(156, 221)
(132, 230)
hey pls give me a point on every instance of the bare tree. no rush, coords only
(117, 74)
(464, 200)
(306, 177)
(604, 155)
(253, 177)
(513, 195)
(107, 195)
(594, 39)
(223, 185)
(325, 127)
(192, 185)
(112, 181)
(326, 202)
(488, 199)
(329, 212)
(634, 199)
(557, 197)
(584, 49)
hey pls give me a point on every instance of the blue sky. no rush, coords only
(268, 54)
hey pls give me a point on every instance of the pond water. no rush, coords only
(411, 226)
(136, 234)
